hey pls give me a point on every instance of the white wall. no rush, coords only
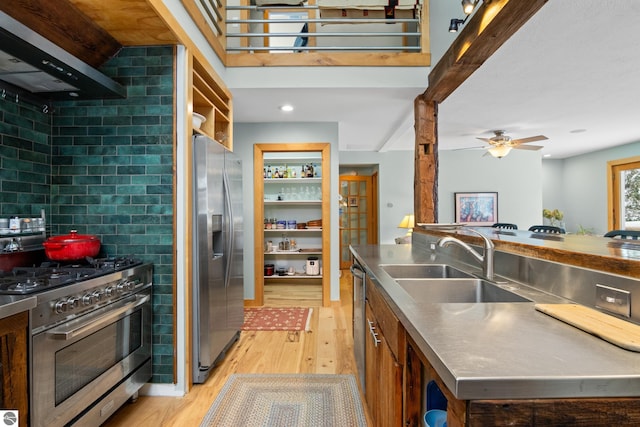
(245, 135)
(516, 178)
(440, 14)
(552, 184)
(582, 186)
(396, 172)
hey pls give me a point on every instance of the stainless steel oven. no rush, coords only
(90, 347)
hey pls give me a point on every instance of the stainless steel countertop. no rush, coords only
(502, 350)
(13, 304)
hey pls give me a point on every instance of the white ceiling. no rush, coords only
(571, 73)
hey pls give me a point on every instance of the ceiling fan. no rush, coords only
(500, 145)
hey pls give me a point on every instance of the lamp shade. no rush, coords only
(468, 6)
(407, 222)
(499, 151)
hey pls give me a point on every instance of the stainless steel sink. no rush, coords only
(427, 271)
(457, 290)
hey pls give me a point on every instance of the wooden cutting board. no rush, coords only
(616, 331)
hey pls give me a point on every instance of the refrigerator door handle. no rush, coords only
(229, 212)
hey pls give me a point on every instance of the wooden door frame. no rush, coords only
(613, 189)
(258, 214)
(372, 201)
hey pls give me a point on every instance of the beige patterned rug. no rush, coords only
(286, 400)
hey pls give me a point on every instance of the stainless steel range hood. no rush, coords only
(34, 64)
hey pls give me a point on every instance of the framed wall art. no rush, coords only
(476, 208)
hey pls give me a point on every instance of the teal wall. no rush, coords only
(104, 167)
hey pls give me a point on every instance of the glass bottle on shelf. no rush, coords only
(269, 173)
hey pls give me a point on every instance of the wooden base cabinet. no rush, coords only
(383, 369)
(13, 358)
(383, 376)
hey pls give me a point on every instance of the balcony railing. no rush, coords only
(310, 34)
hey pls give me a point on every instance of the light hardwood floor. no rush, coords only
(327, 348)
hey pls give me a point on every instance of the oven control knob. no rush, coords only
(97, 295)
(73, 302)
(124, 286)
(110, 291)
(87, 299)
(60, 307)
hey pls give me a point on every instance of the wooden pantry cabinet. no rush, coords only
(292, 187)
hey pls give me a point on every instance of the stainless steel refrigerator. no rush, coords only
(218, 295)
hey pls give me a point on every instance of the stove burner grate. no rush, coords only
(26, 280)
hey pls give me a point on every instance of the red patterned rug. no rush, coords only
(276, 319)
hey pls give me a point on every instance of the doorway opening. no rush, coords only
(624, 194)
(358, 213)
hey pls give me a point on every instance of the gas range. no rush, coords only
(90, 335)
(50, 275)
(70, 291)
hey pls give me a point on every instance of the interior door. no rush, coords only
(358, 214)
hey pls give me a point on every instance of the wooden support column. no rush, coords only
(425, 194)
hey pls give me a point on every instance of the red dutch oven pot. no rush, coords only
(71, 247)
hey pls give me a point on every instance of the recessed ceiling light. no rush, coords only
(546, 155)
(577, 131)
(286, 108)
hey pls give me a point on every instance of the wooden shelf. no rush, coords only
(295, 276)
(292, 230)
(293, 202)
(293, 180)
(213, 102)
(276, 253)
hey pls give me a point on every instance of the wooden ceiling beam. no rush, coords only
(493, 24)
(66, 26)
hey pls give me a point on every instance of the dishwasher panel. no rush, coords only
(359, 320)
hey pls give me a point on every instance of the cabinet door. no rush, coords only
(13, 369)
(383, 378)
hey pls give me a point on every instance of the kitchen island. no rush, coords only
(502, 363)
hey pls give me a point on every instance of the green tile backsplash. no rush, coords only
(25, 159)
(104, 167)
(113, 167)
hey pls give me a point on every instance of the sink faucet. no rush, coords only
(486, 259)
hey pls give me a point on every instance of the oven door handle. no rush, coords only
(93, 324)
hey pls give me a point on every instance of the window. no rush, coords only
(624, 194)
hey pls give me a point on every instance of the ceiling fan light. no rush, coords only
(499, 151)
(468, 6)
